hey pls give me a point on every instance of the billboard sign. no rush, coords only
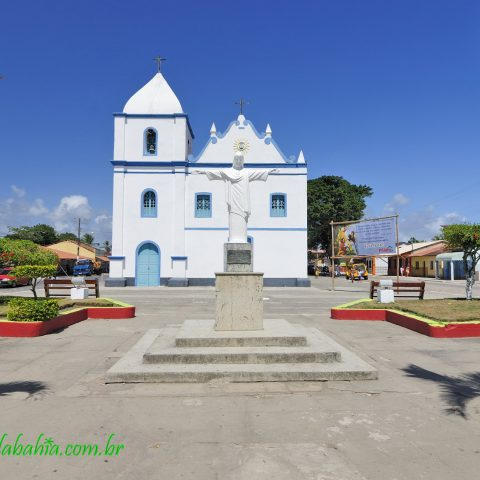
(365, 238)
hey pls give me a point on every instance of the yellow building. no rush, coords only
(71, 248)
(422, 261)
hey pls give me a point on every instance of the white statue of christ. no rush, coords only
(237, 194)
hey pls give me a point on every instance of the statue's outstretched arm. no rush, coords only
(261, 175)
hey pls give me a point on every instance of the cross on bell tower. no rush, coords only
(159, 61)
(242, 102)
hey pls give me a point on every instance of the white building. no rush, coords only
(169, 226)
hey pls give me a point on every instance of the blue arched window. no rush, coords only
(150, 141)
(278, 205)
(149, 203)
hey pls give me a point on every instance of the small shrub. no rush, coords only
(30, 310)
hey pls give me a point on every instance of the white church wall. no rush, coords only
(171, 144)
(278, 254)
(157, 229)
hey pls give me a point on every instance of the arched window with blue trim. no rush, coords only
(150, 141)
(278, 204)
(149, 203)
(203, 205)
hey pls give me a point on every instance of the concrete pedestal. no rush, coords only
(78, 293)
(239, 301)
(385, 296)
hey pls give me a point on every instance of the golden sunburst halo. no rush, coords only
(241, 146)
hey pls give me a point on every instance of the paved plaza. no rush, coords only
(420, 420)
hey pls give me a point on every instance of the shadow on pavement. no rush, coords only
(27, 387)
(456, 391)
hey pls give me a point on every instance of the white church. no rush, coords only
(169, 226)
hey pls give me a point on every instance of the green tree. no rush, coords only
(41, 234)
(412, 240)
(107, 246)
(465, 238)
(88, 238)
(29, 259)
(61, 237)
(332, 198)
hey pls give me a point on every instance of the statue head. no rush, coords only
(238, 161)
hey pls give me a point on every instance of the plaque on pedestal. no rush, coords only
(238, 257)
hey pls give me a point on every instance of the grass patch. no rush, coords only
(442, 310)
(63, 303)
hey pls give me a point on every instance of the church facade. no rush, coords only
(169, 225)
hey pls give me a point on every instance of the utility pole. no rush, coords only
(78, 240)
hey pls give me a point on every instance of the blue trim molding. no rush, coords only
(185, 163)
(143, 211)
(117, 257)
(178, 258)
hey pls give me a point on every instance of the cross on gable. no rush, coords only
(242, 102)
(159, 61)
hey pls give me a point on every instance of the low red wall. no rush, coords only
(35, 329)
(350, 314)
(449, 331)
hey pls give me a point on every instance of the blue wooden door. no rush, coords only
(148, 266)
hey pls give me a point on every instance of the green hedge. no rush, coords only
(30, 310)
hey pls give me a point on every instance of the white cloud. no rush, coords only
(19, 192)
(70, 208)
(17, 209)
(397, 201)
(400, 199)
(425, 224)
(37, 208)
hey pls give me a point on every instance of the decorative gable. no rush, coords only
(241, 136)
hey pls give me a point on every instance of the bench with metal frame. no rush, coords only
(402, 288)
(66, 284)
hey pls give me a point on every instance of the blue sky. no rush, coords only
(385, 93)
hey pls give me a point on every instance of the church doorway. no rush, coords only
(148, 265)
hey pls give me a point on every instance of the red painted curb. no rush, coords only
(36, 329)
(111, 312)
(449, 331)
(350, 314)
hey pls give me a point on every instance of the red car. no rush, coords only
(9, 280)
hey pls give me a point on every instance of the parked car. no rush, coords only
(83, 267)
(9, 280)
(357, 271)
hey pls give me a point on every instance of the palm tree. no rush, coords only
(107, 246)
(88, 238)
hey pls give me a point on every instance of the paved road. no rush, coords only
(420, 420)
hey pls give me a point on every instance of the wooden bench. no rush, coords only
(66, 284)
(415, 289)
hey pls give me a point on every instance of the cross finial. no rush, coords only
(159, 61)
(242, 102)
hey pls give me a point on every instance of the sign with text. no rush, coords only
(369, 238)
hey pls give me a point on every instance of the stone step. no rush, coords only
(276, 332)
(272, 372)
(226, 355)
(163, 350)
(131, 369)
